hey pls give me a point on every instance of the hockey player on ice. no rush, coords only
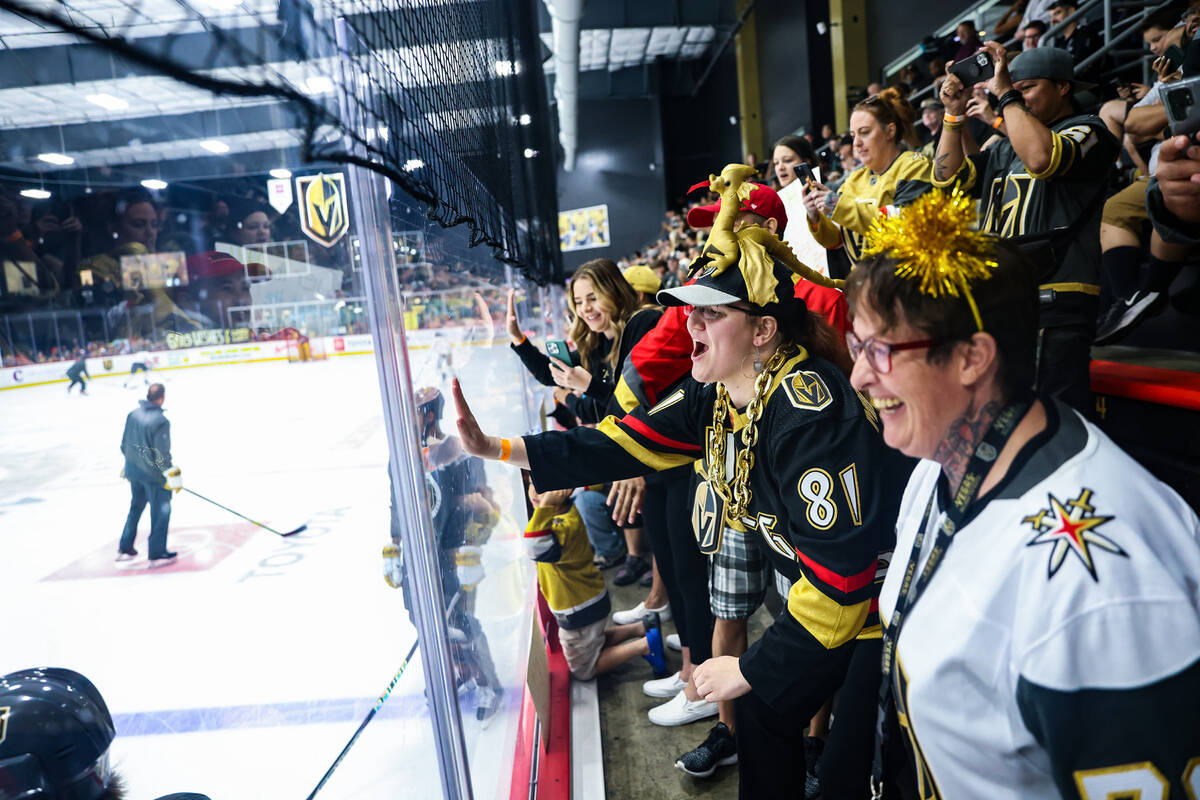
(464, 514)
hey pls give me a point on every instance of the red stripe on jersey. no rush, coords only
(871, 609)
(535, 534)
(845, 584)
(656, 437)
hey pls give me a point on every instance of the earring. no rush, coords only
(758, 364)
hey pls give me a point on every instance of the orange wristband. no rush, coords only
(997, 122)
(505, 449)
(954, 119)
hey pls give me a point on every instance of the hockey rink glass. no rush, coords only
(879, 354)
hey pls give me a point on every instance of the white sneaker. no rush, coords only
(636, 613)
(680, 711)
(673, 642)
(664, 687)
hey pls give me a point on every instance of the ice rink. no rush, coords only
(241, 670)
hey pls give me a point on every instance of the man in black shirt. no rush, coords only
(1048, 178)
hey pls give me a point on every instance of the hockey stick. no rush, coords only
(243, 516)
(370, 716)
(378, 705)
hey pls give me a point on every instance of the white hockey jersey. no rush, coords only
(1056, 651)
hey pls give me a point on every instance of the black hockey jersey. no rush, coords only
(825, 492)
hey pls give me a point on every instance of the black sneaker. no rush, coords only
(813, 747)
(631, 570)
(608, 562)
(647, 579)
(1126, 314)
(718, 750)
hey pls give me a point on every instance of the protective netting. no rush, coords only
(447, 99)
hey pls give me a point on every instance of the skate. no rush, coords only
(126, 555)
(166, 558)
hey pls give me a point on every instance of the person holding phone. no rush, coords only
(605, 326)
(1048, 179)
(890, 175)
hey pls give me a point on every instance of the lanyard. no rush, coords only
(948, 524)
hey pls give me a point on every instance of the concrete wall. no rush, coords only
(794, 67)
(619, 163)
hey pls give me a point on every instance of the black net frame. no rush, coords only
(433, 95)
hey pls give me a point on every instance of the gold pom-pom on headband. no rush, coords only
(934, 243)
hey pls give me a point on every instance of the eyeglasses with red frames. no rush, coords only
(879, 354)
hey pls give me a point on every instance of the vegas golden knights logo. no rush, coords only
(324, 217)
(708, 518)
(108, 363)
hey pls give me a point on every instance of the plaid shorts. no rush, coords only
(738, 576)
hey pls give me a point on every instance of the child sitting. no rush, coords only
(574, 589)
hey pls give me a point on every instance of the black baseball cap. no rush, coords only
(758, 284)
(1049, 63)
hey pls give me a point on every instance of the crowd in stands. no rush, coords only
(116, 271)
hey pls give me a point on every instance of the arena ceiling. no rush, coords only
(61, 95)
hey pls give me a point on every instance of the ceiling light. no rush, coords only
(154, 184)
(413, 164)
(35, 194)
(524, 119)
(530, 152)
(215, 146)
(108, 101)
(316, 84)
(281, 173)
(61, 159)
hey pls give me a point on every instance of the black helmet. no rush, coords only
(429, 398)
(54, 735)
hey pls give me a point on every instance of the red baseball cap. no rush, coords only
(763, 201)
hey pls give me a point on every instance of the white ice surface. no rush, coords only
(246, 660)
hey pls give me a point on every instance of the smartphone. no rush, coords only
(1182, 103)
(804, 173)
(1174, 56)
(976, 69)
(557, 348)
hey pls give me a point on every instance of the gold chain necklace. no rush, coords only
(737, 495)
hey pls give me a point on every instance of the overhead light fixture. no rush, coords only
(60, 159)
(215, 146)
(316, 84)
(524, 119)
(281, 173)
(530, 152)
(107, 101)
(154, 184)
(35, 194)
(413, 164)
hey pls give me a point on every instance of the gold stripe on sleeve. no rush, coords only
(830, 623)
(655, 460)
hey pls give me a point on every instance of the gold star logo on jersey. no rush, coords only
(1071, 527)
(324, 216)
(806, 390)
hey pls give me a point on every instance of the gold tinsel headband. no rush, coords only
(934, 243)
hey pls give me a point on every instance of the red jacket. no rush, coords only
(663, 355)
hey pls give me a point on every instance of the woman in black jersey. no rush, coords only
(607, 322)
(791, 451)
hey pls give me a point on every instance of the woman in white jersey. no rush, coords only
(1042, 632)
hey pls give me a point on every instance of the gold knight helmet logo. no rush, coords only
(324, 216)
